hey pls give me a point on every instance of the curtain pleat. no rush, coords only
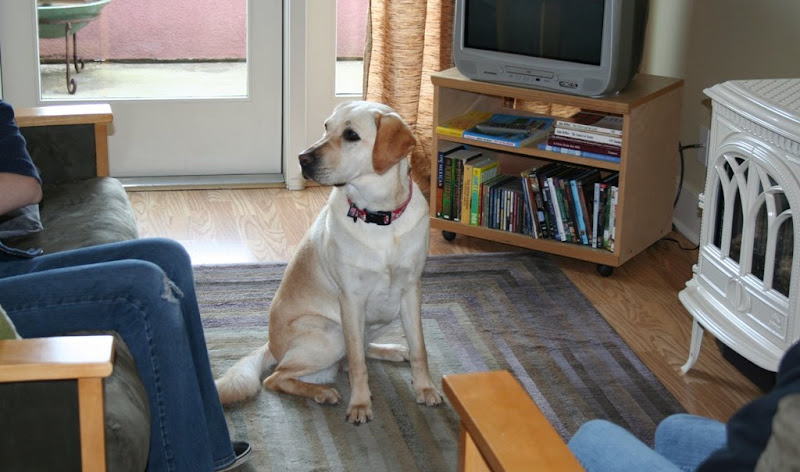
(407, 40)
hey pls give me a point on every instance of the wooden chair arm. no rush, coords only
(63, 115)
(56, 358)
(502, 429)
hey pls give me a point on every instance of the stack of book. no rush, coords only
(587, 134)
(572, 204)
(460, 173)
(498, 128)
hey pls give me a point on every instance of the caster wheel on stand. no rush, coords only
(604, 270)
(448, 235)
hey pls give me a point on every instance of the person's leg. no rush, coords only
(600, 445)
(134, 299)
(173, 259)
(688, 440)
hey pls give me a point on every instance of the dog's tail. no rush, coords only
(243, 380)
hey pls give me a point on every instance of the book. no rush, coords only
(444, 148)
(540, 128)
(581, 145)
(456, 126)
(575, 152)
(593, 123)
(466, 188)
(457, 159)
(539, 206)
(481, 172)
(586, 136)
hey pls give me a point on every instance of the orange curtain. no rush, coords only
(407, 40)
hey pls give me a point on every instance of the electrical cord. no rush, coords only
(681, 147)
(680, 246)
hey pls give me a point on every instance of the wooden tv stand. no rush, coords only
(648, 167)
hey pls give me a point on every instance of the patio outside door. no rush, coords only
(216, 132)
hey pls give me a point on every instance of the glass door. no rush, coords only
(195, 87)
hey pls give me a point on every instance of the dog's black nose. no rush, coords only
(307, 159)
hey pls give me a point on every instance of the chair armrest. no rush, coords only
(56, 358)
(63, 115)
(502, 429)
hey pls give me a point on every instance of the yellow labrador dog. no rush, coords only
(356, 270)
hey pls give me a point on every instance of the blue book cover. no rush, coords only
(539, 129)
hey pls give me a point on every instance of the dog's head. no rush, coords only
(360, 138)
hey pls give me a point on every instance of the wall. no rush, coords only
(725, 40)
(187, 29)
(150, 29)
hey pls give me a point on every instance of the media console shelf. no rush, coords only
(648, 167)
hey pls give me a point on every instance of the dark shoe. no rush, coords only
(242, 451)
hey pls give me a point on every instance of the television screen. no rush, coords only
(565, 30)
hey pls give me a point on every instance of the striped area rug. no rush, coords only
(513, 311)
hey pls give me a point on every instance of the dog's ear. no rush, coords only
(393, 142)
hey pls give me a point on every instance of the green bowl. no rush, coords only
(53, 17)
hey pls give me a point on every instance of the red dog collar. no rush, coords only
(381, 218)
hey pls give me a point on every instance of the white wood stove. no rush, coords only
(744, 289)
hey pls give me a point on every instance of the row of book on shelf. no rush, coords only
(547, 200)
(586, 134)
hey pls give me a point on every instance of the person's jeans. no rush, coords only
(682, 443)
(144, 290)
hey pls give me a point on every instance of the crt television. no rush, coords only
(584, 47)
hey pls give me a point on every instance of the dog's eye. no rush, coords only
(350, 135)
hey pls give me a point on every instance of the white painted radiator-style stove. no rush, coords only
(744, 289)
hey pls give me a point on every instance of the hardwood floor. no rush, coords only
(640, 300)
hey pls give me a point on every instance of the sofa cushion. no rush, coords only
(81, 213)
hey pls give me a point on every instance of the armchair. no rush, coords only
(501, 427)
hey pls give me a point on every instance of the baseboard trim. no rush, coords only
(687, 216)
(203, 182)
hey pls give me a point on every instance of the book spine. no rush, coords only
(601, 214)
(531, 207)
(479, 175)
(576, 199)
(593, 137)
(547, 196)
(595, 208)
(447, 203)
(458, 184)
(466, 194)
(567, 210)
(445, 131)
(439, 184)
(613, 217)
(580, 145)
(562, 236)
(588, 128)
(575, 152)
(490, 139)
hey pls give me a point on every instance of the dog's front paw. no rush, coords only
(328, 396)
(359, 413)
(429, 396)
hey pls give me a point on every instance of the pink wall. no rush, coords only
(161, 29)
(187, 29)
(351, 27)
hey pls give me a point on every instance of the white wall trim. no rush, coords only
(294, 91)
(687, 215)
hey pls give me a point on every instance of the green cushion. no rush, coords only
(7, 329)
